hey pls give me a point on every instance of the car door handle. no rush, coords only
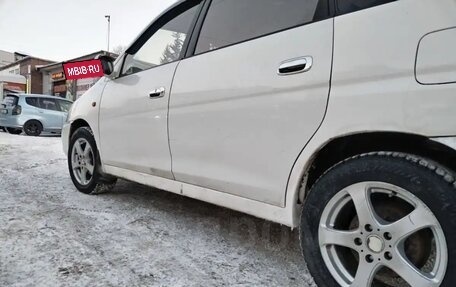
(295, 66)
(157, 93)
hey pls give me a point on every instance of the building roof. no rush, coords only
(22, 60)
(20, 54)
(85, 57)
(11, 78)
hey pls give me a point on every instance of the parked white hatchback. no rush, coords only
(337, 117)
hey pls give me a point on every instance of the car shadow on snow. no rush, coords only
(235, 227)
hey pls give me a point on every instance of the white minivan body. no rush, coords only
(252, 113)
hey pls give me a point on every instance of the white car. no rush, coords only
(337, 117)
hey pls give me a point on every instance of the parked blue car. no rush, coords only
(33, 114)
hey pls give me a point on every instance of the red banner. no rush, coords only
(83, 69)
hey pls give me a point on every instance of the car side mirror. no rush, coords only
(107, 63)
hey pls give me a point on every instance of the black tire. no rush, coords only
(33, 128)
(14, 131)
(3, 129)
(98, 183)
(429, 182)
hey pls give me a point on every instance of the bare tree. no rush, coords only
(119, 49)
(172, 51)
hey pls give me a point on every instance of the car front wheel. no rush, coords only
(382, 219)
(83, 164)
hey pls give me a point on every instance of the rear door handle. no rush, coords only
(295, 66)
(157, 93)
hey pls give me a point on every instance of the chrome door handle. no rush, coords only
(157, 93)
(295, 66)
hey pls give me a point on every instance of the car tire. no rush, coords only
(411, 218)
(84, 164)
(33, 128)
(14, 131)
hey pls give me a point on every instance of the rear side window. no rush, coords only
(233, 21)
(48, 104)
(64, 105)
(32, 102)
(349, 6)
(10, 100)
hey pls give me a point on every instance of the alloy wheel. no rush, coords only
(32, 128)
(82, 161)
(375, 232)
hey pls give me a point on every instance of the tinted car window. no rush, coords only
(10, 100)
(64, 106)
(32, 102)
(233, 21)
(48, 104)
(164, 46)
(348, 6)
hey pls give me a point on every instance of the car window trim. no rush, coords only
(157, 25)
(202, 17)
(339, 13)
(190, 52)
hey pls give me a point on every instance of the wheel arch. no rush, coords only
(76, 124)
(34, 119)
(338, 149)
(79, 123)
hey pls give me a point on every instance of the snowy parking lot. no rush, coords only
(52, 235)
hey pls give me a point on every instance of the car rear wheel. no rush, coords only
(83, 164)
(14, 131)
(33, 128)
(381, 219)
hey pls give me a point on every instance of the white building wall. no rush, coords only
(15, 70)
(6, 58)
(47, 84)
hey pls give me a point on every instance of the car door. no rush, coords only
(252, 95)
(64, 108)
(133, 117)
(49, 113)
(34, 110)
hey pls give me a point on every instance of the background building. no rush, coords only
(55, 83)
(6, 58)
(26, 66)
(10, 83)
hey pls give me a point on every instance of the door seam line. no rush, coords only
(167, 118)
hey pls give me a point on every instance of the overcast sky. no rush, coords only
(64, 29)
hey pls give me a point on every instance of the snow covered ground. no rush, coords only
(52, 235)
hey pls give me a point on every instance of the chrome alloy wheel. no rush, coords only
(362, 241)
(82, 161)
